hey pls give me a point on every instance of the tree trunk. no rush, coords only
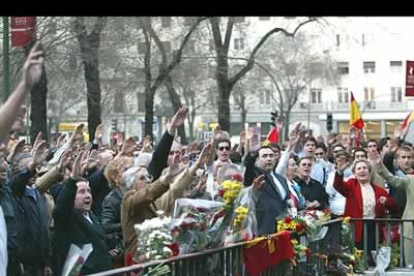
(89, 46)
(93, 95)
(224, 91)
(243, 109)
(176, 103)
(286, 123)
(38, 114)
(149, 112)
(38, 104)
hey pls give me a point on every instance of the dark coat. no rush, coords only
(33, 233)
(100, 189)
(313, 190)
(159, 160)
(111, 218)
(270, 205)
(73, 228)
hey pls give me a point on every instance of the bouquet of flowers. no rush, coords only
(154, 239)
(243, 224)
(230, 189)
(314, 220)
(76, 258)
(193, 220)
(296, 224)
(302, 253)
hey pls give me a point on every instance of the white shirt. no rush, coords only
(368, 200)
(88, 218)
(336, 200)
(279, 186)
(3, 245)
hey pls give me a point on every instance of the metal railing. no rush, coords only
(228, 260)
(389, 224)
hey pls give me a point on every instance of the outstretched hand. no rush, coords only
(178, 119)
(375, 157)
(258, 182)
(33, 67)
(77, 136)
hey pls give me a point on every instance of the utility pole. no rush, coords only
(6, 78)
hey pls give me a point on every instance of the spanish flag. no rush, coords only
(355, 119)
(407, 121)
(272, 136)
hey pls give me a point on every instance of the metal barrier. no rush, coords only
(228, 260)
(389, 224)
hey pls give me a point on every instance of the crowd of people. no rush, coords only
(75, 192)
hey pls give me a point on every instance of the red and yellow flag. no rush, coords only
(272, 137)
(355, 118)
(408, 120)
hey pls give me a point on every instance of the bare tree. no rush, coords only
(165, 66)
(225, 82)
(89, 46)
(293, 66)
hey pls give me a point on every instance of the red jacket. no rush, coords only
(351, 189)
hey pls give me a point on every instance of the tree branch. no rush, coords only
(250, 64)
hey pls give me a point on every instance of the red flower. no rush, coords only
(288, 220)
(245, 237)
(237, 177)
(174, 248)
(221, 193)
(300, 227)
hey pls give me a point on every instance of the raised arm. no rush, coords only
(339, 184)
(32, 70)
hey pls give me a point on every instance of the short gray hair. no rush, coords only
(129, 177)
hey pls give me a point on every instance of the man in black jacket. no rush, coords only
(272, 197)
(76, 224)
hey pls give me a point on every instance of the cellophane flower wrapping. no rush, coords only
(314, 220)
(243, 225)
(192, 221)
(76, 258)
(154, 239)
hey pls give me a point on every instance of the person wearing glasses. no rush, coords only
(311, 189)
(223, 151)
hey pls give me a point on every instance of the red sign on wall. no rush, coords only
(22, 30)
(409, 80)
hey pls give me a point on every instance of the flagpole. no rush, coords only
(6, 78)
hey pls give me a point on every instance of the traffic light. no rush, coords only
(329, 121)
(273, 118)
(114, 125)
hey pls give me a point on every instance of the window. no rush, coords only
(73, 62)
(167, 46)
(190, 47)
(265, 97)
(369, 67)
(396, 67)
(290, 69)
(238, 19)
(316, 95)
(238, 43)
(142, 47)
(343, 96)
(396, 94)
(211, 45)
(343, 68)
(189, 21)
(264, 18)
(141, 102)
(119, 102)
(166, 21)
(367, 39)
(369, 93)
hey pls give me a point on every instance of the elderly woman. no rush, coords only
(364, 199)
(111, 205)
